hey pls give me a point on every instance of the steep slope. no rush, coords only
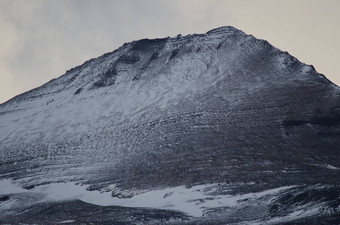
(222, 109)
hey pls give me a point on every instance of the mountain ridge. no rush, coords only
(224, 31)
(221, 112)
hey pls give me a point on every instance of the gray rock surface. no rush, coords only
(223, 109)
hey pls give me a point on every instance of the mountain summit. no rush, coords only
(210, 128)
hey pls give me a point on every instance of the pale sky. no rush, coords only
(41, 39)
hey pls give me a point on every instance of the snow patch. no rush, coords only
(192, 201)
(8, 187)
(67, 221)
(331, 167)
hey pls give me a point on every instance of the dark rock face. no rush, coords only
(221, 109)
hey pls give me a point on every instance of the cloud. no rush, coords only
(7, 46)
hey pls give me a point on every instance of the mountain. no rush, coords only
(214, 128)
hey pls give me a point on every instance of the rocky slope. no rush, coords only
(207, 128)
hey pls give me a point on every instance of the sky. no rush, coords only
(41, 39)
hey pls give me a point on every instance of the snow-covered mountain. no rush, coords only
(206, 128)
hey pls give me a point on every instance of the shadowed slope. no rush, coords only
(221, 107)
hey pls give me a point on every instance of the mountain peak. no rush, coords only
(136, 58)
(224, 29)
(210, 115)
